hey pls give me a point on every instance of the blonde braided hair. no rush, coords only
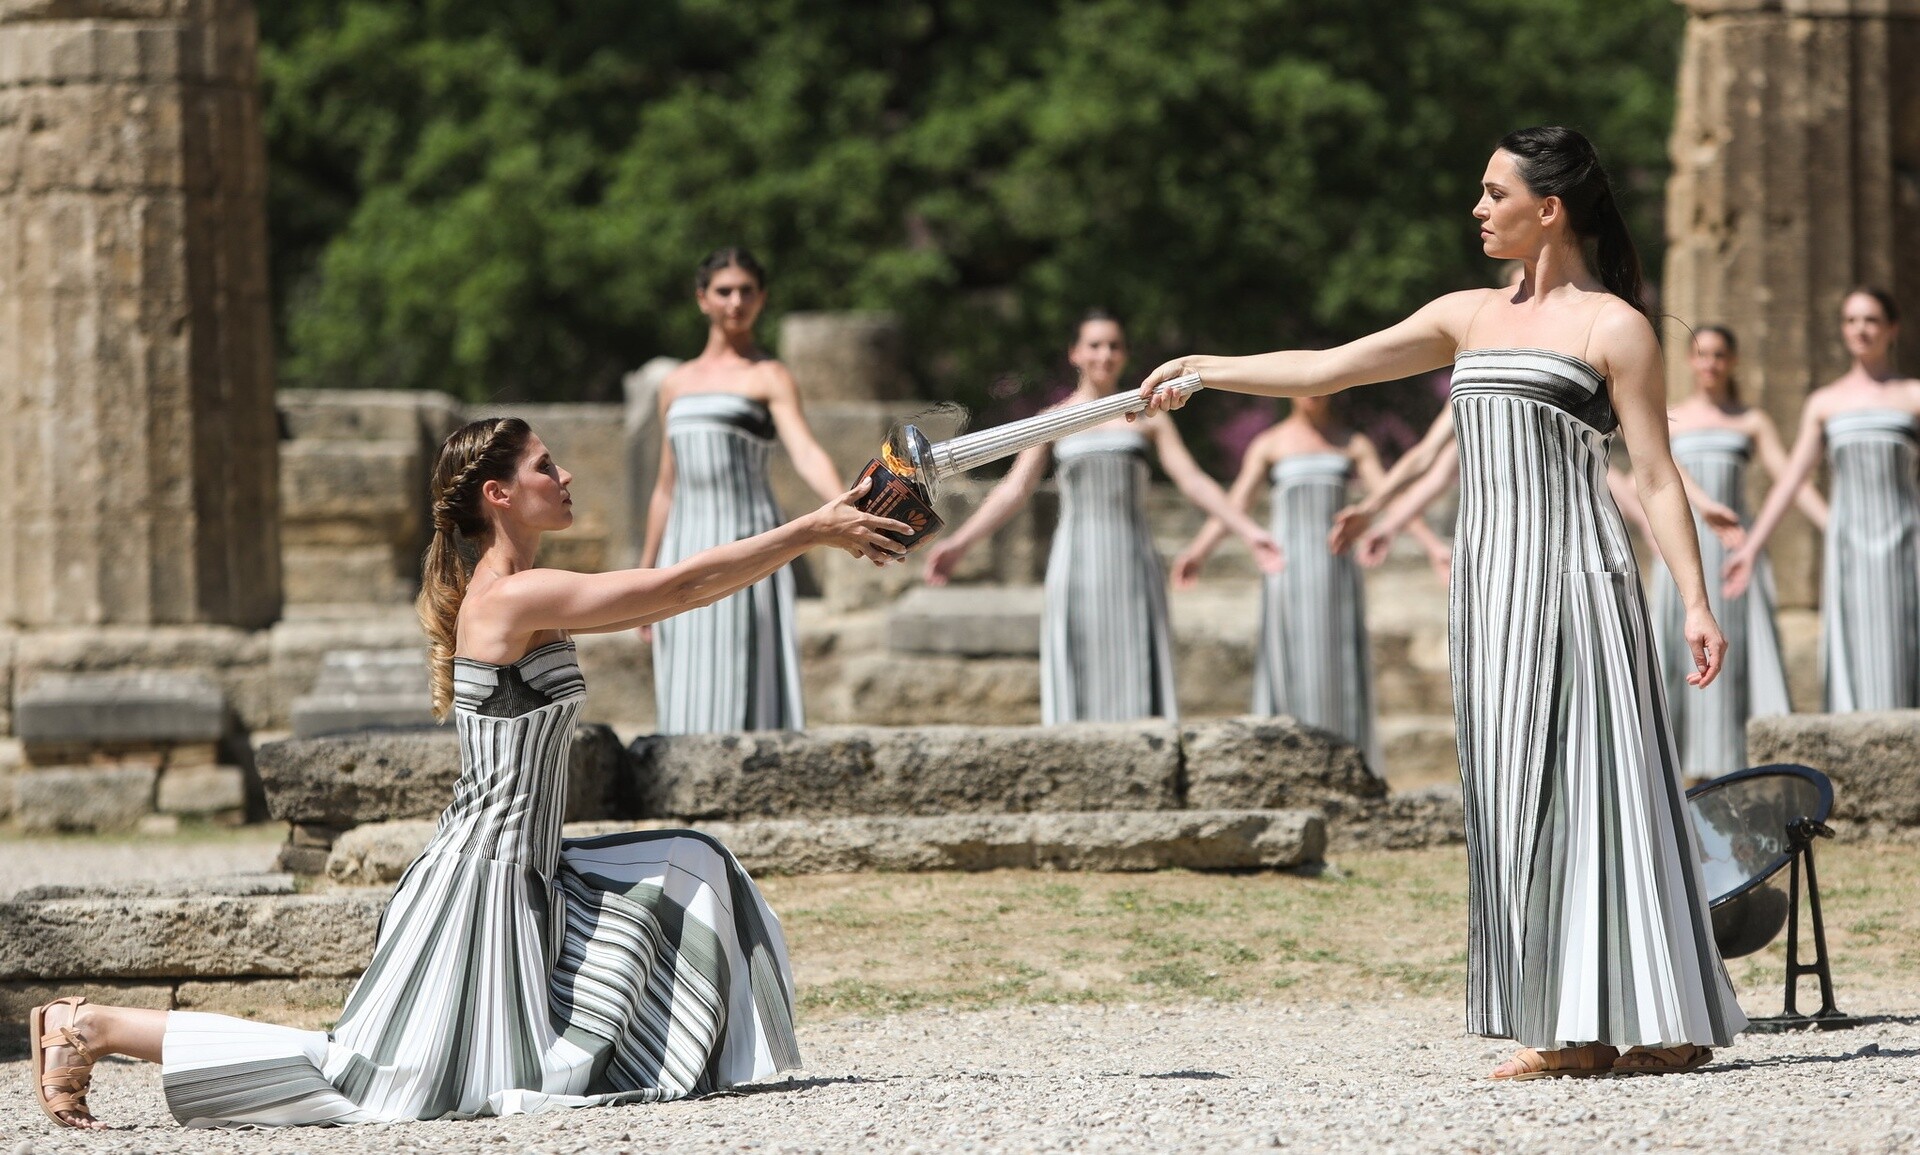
(474, 454)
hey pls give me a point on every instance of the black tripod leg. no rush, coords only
(1793, 939)
(1821, 966)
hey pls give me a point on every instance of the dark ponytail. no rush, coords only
(1559, 162)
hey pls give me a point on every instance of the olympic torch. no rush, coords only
(907, 474)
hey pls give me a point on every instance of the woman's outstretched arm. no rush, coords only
(1422, 343)
(1253, 466)
(538, 600)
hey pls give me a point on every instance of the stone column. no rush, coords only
(1796, 176)
(137, 427)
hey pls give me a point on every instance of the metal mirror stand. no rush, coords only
(1800, 835)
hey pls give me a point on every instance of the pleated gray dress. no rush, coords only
(1588, 918)
(1106, 653)
(1710, 725)
(733, 665)
(514, 971)
(1314, 662)
(1870, 584)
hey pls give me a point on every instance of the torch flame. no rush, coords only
(895, 464)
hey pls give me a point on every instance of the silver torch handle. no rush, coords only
(972, 450)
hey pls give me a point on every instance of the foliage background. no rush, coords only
(504, 199)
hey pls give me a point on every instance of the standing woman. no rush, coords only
(1588, 927)
(513, 970)
(1313, 660)
(1714, 437)
(734, 665)
(1106, 652)
(1868, 421)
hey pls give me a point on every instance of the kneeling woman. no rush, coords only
(513, 971)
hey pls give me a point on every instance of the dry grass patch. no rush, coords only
(1377, 926)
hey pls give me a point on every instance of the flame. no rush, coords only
(895, 464)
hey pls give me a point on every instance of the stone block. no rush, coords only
(592, 442)
(374, 484)
(305, 1004)
(347, 779)
(846, 356)
(967, 621)
(1419, 750)
(235, 660)
(191, 755)
(1404, 820)
(1252, 763)
(922, 770)
(374, 775)
(83, 797)
(298, 645)
(201, 790)
(619, 673)
(389, 415)
(221, 885)
(366, 690)
(17, 1000)
(1099, 841)
(133, 706)
(598, 783)
(901, 690)
(1873, 758)
(280, 936)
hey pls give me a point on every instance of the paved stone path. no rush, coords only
(1379, 1077)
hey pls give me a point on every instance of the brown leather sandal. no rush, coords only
(1662, 1060)
(1588, 1062)
(63, 1089)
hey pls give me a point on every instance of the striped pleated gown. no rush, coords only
(733, 665)
(1710, 725)
(1313, 661)
(1105, 647)
(514, 971)
(1588, 918)
(1870, 584)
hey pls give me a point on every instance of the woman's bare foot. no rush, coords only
(64, 1070)
(1583, 1062)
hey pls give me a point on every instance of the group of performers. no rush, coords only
(517, 971)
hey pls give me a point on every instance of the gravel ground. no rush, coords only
(1395, 1076)
(1381, 1074)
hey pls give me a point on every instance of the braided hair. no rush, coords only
(474, 454)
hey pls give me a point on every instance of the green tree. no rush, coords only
(506, 199)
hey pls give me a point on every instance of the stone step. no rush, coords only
(373, 775)
(366, 689)
(138, 706)
(1094, 841)
(1873, 758)
(189, 936)
(1228, 763)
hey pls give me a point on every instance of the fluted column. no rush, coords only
(1796, 144)
(137, 425)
